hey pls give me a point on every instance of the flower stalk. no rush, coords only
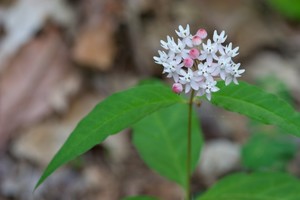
(195, 63)
(189, 146)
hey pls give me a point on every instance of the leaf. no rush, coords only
(288, 8)
(140, 198)
(161, 140)
(275, 86)
(110, 116)
(258, 105)
(257, 186)
(268, 151)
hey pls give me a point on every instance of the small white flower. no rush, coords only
(209, 52)
(207, 88)
(189, 79)
(219, 39)
(222, 67)
(163, 57)
(180, 50)
(235, 72)
(185, 35)
(169, 44)
(172, 71)
(229, 52)
(205, 71)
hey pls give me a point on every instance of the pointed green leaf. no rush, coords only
(110, 116)
(259, 105)
(257, 186)
(161, 140)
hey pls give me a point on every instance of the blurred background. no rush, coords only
(58, 58)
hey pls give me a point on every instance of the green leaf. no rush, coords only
(110, 116)
(257, 186)
(288, 8)
(275, 86)
(268, 151)
(161, 140)
(140, 198)
(258, 105)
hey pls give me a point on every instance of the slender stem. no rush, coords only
(189, 147)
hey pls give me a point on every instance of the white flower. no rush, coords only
(169, 44)
(219, 39)
(163, 57)
(229, 52)
(207, 88)
(205, 71)
(235, 72)
(172, 69)
(185, 35)
(180, 50)
(189, 79)
(197, 67)
(222, 66)
(209, 52)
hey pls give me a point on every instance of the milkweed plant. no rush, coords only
(166, 131)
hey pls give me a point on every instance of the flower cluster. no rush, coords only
(195, 64)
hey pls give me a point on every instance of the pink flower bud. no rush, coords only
(196, 40)
(188, 62)
(194, 53)
(202, 33)
(177, 88)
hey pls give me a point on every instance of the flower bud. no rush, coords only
(196, 40)
(202, 33)
(188, 62)
(177, 88)
(194, 53)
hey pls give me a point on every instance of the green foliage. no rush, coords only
(140, 198)
(288, 8)
(257, 186)
(110, 116)
(268, 148)
(258, 105)
(161, 140)
(161, 137)
(268, 151)
(275, 86)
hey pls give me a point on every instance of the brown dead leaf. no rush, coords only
(95, 45)
(30, 80)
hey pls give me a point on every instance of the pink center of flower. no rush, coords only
(188, 62)
(202, 33)
(196, 40)
(194, 53)
(177, 88)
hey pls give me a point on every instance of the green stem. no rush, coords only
(189, 147)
